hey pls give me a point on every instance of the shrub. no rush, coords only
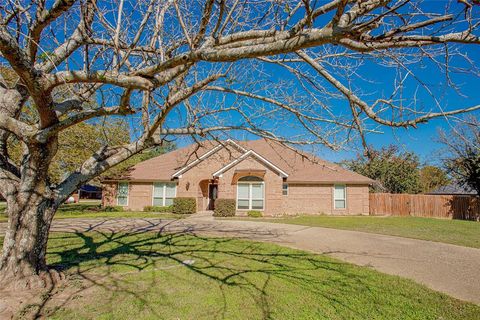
(184, 205)
(160, 209)
(254, 214)
(113, 209)
(225, 208)
(96, 208)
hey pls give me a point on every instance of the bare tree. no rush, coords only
(461, 154)
(200, 68)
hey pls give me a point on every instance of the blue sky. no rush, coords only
(423, 139)
(379, 81)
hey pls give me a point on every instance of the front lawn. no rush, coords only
(90, 210)
(463, 233)
(178, 276)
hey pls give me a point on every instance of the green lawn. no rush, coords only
(463, 233)
(147, 276)
(89, 210)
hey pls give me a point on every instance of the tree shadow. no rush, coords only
(112, 260)
(465, 207)
(129, 261)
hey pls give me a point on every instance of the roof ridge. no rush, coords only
(299, 165)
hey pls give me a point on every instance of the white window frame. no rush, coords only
(344, 199)
(285, 189)
(128, 192)
(164, 191)
(250, 198)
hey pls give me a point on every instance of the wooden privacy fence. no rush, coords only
(419, 205)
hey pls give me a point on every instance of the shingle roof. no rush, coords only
(454, 189)
(300, 166)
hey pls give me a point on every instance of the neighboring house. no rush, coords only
(453, 189)
(261, 175)
(88, 191)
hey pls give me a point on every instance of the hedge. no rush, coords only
(254, 214)
(113, 209)
(184, 205)
(160, 209)
(225, 208)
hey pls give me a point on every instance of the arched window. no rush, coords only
(250, 179)
(250, 193)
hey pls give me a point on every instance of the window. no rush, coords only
(339, 196)
(285, 189)
(122, 194)
(163, 193)
(250, 193)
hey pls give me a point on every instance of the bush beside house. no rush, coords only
(224, 208)
(113, 209)
(159, 209)
(254, 214)
(184, 205)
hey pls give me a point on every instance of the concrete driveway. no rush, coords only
(451, 269)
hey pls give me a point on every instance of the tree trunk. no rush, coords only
(30, 209)
(22, 262)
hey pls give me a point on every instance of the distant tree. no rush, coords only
(395, 171)
(462, 153)
(432, 177)
(76, 145)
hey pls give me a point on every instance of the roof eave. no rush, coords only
(248, 153)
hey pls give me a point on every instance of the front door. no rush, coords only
(212, 195)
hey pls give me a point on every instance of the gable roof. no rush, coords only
(220, 146)
(297, 166)
(251, 153)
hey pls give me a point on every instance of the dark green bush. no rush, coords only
(225, 208)
(254, 214)
(160, 209)
(80, 207)
(184, 205)
(113, 209)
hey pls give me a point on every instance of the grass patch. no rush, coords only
(151, 276)
(459, 232)
(91, 210)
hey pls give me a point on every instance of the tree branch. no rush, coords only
(122, 109)
(20, 129)
(125, 80)
(43, 19)
(17, 58)
(369, 109)
(79, 37)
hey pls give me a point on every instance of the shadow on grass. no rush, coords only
(166, 270)
(107, 259)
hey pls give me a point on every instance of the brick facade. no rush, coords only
(319, 198)
(109, 192)
(302, 198)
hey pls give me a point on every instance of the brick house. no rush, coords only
(260, 175)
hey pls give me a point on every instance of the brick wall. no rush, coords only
(109, 194)
(318, 199)
(139, 195)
